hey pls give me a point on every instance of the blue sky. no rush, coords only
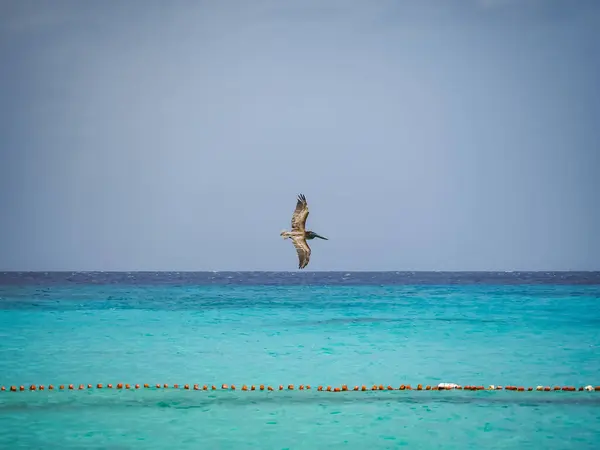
(426, 135)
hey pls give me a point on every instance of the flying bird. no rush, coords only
(299, 234)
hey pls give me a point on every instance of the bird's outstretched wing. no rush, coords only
(300, 214)
(303, 251)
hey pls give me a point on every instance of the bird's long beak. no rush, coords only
(321, 237)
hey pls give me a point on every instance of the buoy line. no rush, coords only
(291, 387)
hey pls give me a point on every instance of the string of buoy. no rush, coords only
(291, 387)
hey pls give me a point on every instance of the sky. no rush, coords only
(425, 135)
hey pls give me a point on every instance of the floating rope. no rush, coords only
(291, 387)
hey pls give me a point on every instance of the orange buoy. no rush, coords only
(99, 386)
(308, 386)
(205, 388)
(270, 388)
(244, 387)
(224, 386)
(13, 389)
(597, 388)
(281, 387)
(374, 388)
(290, 387)
(196, 387)
(175, 386)
(71, 387)
(32, 387)
(187, 386)
(51, 387)
(356, 388)
(408, 387)
(328, 389)
(157, 386)
(420, 387)
(363, 388)
(213, 387)
(2, 388)
(127, 386)
(233, 387)
(146, 385)
(530, 388)
(41, 387)
(61, 387)
(120, 386)
(344, 388)
(337, 389)
(109, 386)
(427, 388)
(262, 387)
(165, 386)
(81, 387)
(137, 386)
(301, 387)
(320, 388)
(252, 388)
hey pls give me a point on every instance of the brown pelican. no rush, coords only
(299, 235)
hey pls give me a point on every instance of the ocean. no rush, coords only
(299, 328)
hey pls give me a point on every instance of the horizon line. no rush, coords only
(300, 271)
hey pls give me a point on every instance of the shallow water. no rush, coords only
(317, 329)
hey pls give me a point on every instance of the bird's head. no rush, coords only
(312, 235)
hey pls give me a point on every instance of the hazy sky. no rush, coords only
(175, 135)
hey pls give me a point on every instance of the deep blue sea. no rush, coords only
(392, 328)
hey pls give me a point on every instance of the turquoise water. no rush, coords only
(284, 329)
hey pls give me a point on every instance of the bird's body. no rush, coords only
(299, 234)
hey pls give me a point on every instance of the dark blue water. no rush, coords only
(526, 329)
(302, 278)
